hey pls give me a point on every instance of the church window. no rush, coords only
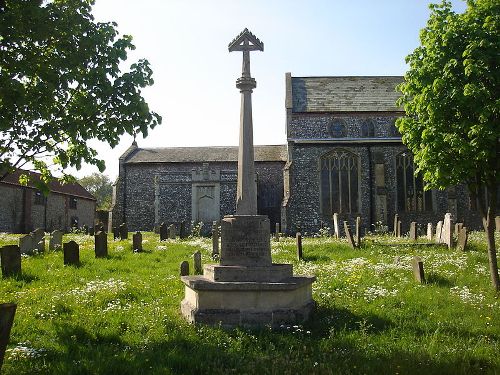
(338, 128)
(339, 180)
(411, 196)
(367, 129)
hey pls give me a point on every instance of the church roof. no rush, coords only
(343, 94)
(204, 154)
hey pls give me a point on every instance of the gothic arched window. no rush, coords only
(367, 129)
(411, 196)
(337, 128)
(339, 181)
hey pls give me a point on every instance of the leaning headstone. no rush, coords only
(298, 238)
(101, 245)
(215, 239)
(439, 228)
(197, 263)
(358, 231)
(462, 239)
(55, 241)
(447, 232)
(413, 231)
(26, 244)
(418, 270)
(348, 234)
(336, 229)
(171, 231)
(71, 253)
(137, 242)
(182, 230)
(277, 232)
(10, 258)
(123, 232)
(7, 312)
(163, 232)
(184, 268)
(430, 230)
(396, 220)
(39, 239)
(116, 233)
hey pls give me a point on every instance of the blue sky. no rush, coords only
(186, 43)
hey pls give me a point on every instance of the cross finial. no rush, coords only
(246, 42)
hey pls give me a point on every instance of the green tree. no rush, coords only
(61, 85)
(100, 186)
(452, 105)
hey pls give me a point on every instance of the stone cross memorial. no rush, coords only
(246, 288)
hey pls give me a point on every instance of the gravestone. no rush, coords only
(413, 231)
(439, 229)
(348, 234)
(396, 220)
(101, 245)
(418, 270)
(163, 232)
(462, 239)
(116, 233)
(55, 241)
(197, 263)
(298, 238)
(123, 232)
(277, 232)
(447, 231)
(458, 228)
(137, 242)
(336, 229)
(171, 232)
(10, 258)
(430, 230)
(26, 244)
(215, 239)
(71, 253)
(399, 230)
(39, 239)
(184, 268)
(182, 230)
(358, 231)
(7, 312)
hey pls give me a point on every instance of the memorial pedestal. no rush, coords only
(247, 289)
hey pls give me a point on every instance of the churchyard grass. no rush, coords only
(120, 314)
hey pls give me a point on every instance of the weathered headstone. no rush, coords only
(336, 228)
(358, 231)
(116, 233)
(396, 220)
(399, 231)
(439, 229)
(171, 231)
(418, 270)
(7, 312)
(123, 232)
(101, 245)
(447, 231)
(26, 244)
(458, 228)
(413, 231)
(163, 232)
(430, 230)
(184, 268)
(277, 232)
(298, 238)
(215, 239)
(197, 263)
(39, 239)
(71, 253)
(182, 230)
(137, 242)
(55, 241)
(462, 239)
(348, 234)
(10, 258)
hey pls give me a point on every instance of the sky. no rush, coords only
(186, 43)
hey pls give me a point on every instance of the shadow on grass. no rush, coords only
(435, 279)
(23, 276)
(315, 258)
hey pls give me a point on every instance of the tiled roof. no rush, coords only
(204, 154)
(55, 186)
(345, 94)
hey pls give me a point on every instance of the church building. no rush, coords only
(343, 154)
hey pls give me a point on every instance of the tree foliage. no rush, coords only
(100, 186)
(61, 85)
(452, 104)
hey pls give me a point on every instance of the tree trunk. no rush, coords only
(489, 228)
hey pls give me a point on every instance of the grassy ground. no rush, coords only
(121, 315)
